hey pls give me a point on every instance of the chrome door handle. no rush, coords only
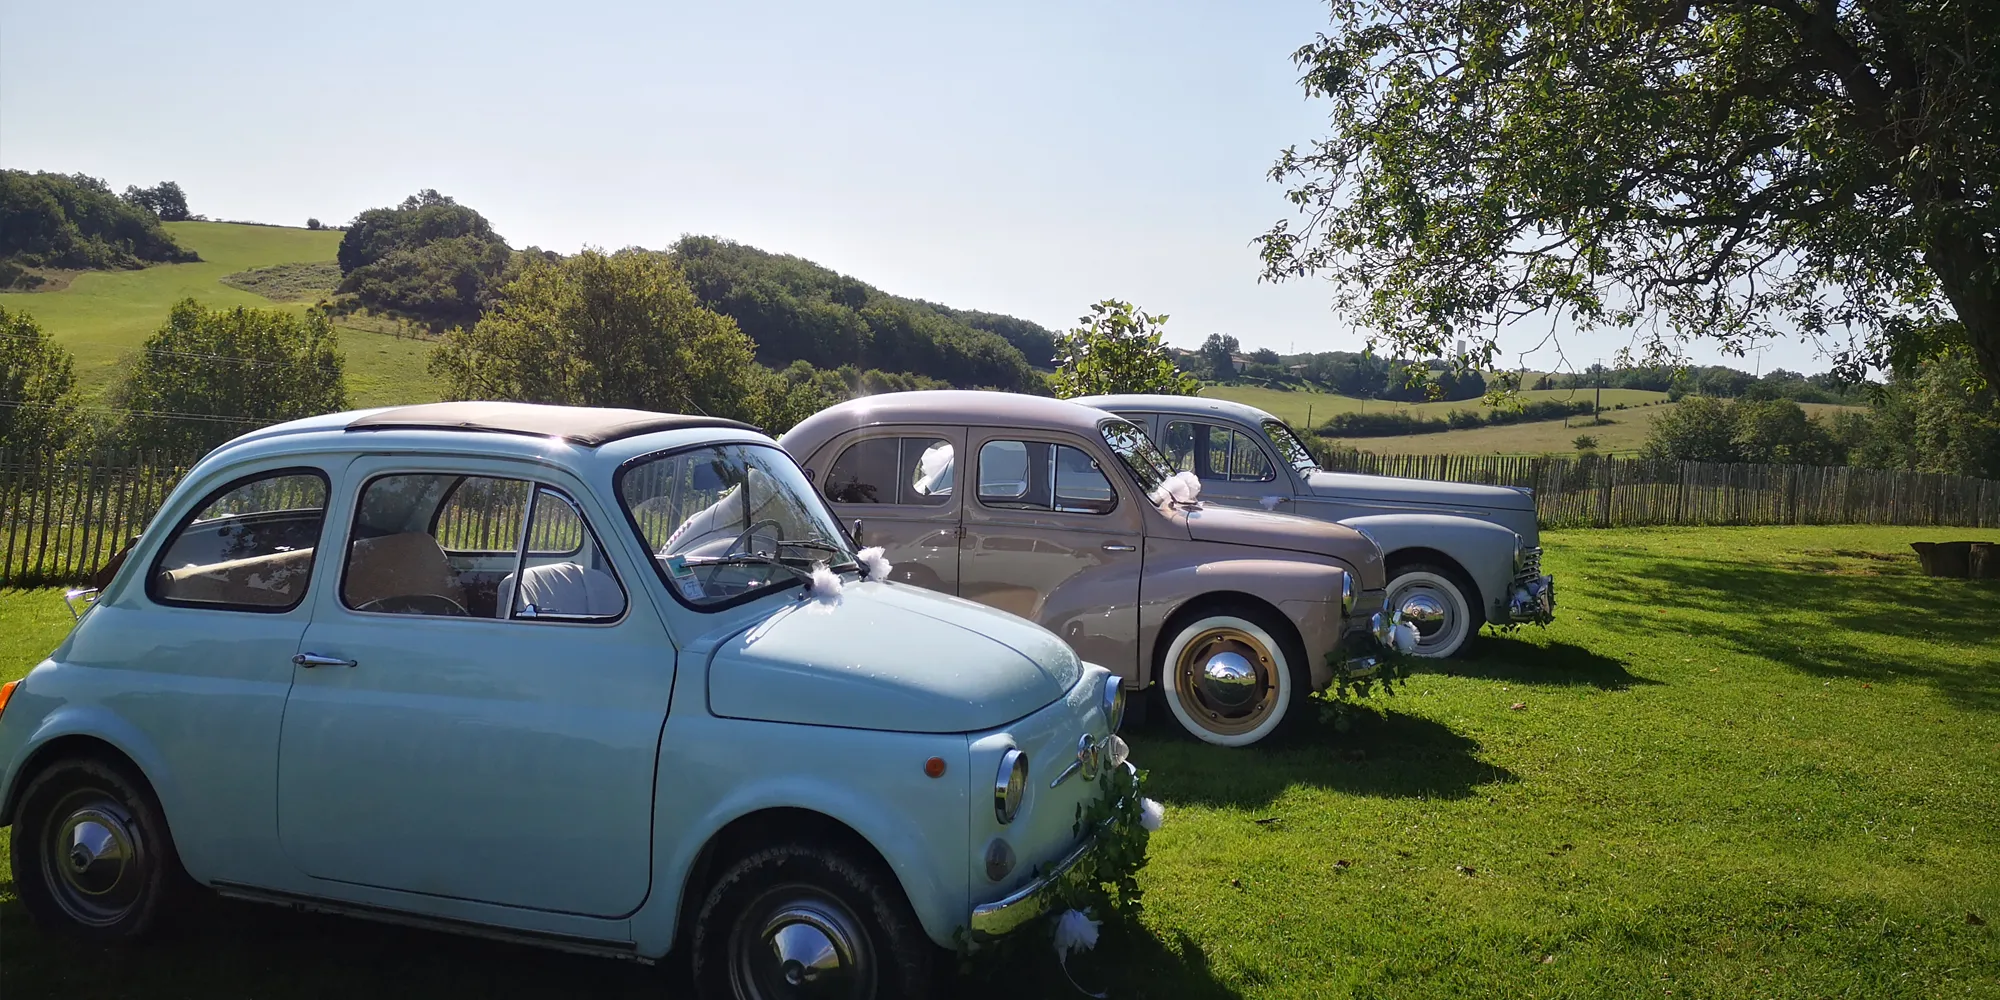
(1116, 547)
(316, 660)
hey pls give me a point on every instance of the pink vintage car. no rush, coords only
(1071, 521)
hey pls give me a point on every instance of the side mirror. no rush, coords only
(855, 535)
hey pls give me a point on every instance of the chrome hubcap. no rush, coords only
(1429, 610)
(794, 943)
(94, 860)
(1227, 680)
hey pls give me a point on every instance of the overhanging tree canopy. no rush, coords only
(1732, 170)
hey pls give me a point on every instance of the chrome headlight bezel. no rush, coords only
(1520, 553)
(1114, 702)
(1346, 593)
(1010, 786)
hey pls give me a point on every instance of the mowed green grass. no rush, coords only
(1743, 763)
(103, 317)
(1624, 434)
(1310, 409)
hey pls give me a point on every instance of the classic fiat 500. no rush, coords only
(605, 680)
(1232, 614)
(1459, 554)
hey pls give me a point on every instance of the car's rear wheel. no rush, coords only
(91, 852)
(799, 921)
(1228, 678)
(1439, 603)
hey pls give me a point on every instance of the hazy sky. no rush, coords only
(1027, 158)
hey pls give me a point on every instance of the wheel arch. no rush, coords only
(1288, 630)
(1395, 562)
(763, 827)
(69, 746)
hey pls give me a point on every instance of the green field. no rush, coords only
(1310, 409)
(1743, 763)
(102, 317)
(1625, 434)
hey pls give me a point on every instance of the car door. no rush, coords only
(453, 735)
(900, 484)
(1049, 537)
(1235, 466)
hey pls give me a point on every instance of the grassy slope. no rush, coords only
(1294, 407)
(103, 316)
(1625, 434)
(1749, 762)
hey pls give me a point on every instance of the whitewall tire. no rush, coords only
(1229, 680)
(1436, 601)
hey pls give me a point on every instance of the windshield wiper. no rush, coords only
(822, 546)
(758, 559)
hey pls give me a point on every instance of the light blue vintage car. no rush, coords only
(556, 675)
(1459, 555)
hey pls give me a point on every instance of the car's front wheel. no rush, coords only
(794, 920)
(1229, 679)
(91, 852)
(1439, 603)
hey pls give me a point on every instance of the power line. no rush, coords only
(217, 418)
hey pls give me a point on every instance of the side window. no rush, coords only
(1247, 461)
(1036, 475)
(565, 574)
(1216, 453)
(455, 546)
(915, 471)
(249, 546)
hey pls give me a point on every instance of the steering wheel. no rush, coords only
(417, 604)
(737, 545)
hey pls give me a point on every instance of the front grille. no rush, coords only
(1531, 567)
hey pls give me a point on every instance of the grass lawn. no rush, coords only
(102, 317)
(1744, 762)
(1624, 435)
(1296, 407)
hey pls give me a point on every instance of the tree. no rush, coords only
(211, 374)
(1778, 432)
(1697, 429)
(620, 329)
(166, 200)
(1266, 356)
(313, 224)
(430, 258)
(1749, 168)
(38, 411)
(1117, 349)
(74, 221)
(1585, 443)
(1218, 351)
(1955, 420)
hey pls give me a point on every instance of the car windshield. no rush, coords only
(1136, 450)
(729, 520)
(1289, 445)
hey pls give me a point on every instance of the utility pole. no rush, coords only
(1598, 404)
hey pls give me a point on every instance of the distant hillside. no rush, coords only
(74, 222)
(797, 310)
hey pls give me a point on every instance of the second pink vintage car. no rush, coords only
(1057, 512)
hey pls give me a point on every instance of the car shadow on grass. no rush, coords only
(1800, 615)
(1511, 659)
(1356, 749)
(217, 949)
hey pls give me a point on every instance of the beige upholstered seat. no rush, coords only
(564, 588)
(273, 580)
(401, 565)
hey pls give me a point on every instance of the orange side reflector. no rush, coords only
(933, 767)
(6, 692)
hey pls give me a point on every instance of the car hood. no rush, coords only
(1395, 489)
(1264, 529)
(890, 657)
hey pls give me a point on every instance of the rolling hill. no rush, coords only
(103, 316)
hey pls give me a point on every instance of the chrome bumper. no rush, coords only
(1384, 631)
(1533, 601)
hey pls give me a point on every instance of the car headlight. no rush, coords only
(1520, 553)
(1347, 593)
(1114, 701)
(1010, 786)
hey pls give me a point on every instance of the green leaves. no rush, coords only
(1117, 349)
(233, 369)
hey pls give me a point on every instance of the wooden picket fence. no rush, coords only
(1599, 492)
(60, 520)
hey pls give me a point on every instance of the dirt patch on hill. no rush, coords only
(295, 282)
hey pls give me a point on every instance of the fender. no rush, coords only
(60, 719)
(1306, 592)
(916, 824)
(1483, 549)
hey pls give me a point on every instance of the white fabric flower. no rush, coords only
(875, 562)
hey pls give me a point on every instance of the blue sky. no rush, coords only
(1026, 158)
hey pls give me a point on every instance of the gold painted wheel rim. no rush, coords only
(1227, 679)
